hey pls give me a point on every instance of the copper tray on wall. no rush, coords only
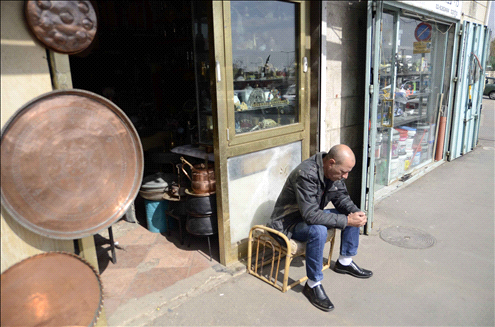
(63, 26)
(51, 289)
(72, 163)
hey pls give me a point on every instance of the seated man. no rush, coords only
(299, 213)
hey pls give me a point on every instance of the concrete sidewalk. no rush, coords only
(449, 283)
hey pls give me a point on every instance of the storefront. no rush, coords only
(418, 90)
(248, 87)
(226, 82)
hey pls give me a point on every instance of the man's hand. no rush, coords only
(357, 219)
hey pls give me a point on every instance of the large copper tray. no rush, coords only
(51, 289)
(72, 163)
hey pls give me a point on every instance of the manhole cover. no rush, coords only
(407, 237)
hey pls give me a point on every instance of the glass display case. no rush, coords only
(260, 84)
(264, 64)
(411, 75)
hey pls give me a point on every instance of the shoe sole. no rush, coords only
(319, 307)
(349, 273)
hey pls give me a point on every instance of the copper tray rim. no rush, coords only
(97, 274)
(67, 235)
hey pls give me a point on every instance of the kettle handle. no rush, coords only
(184, 161)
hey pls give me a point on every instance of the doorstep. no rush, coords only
(387, 191)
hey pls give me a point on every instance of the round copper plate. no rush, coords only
(72, 163)
(51, 289)
(63, 26)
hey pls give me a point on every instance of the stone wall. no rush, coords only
(475, 11)
(345, 83)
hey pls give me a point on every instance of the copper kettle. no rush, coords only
(202, 177)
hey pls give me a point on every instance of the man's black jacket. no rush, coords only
(305, 195)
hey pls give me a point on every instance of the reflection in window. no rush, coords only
(264, 57)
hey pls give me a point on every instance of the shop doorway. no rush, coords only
(409, 69)
(151, 59)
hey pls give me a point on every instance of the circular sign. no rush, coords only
(72, 163)
(63, 26)
(423, 32)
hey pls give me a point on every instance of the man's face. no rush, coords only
(335, 172)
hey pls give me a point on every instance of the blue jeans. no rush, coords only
(315, 237)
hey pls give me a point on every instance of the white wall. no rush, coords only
(24, 75)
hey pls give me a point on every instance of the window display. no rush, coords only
(264, 58)
(411, 94)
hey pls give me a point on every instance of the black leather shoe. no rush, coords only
(352, 270)
(317, 297)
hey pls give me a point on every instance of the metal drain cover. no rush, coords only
(407, 237)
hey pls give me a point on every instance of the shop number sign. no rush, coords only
(422, 33)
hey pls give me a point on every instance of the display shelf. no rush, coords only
(413, 74)
(258, 80)
(399, 120)
(266, 105)
(418, 95)
(406, 74)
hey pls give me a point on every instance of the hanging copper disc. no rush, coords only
(51, 289)
(72, 163)
(63, 26)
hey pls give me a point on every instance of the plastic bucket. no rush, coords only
(409, 144)
(155, 215)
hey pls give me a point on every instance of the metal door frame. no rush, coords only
(468, 99)
(372, 84)
(225, 142)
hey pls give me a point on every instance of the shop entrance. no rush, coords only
(412, 94)
(410, 69)
(151, 59)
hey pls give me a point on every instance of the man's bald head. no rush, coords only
(338, 162)
(340, 153)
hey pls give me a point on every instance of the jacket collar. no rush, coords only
(319, 162)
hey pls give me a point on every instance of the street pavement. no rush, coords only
(450, 283)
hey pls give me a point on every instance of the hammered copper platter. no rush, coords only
(63, 26)
(51, 289)
(72, 163)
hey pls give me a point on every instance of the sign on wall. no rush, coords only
(446, 8)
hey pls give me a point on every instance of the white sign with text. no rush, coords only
(446, 8)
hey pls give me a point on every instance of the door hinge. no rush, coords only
(460, 31)
(374, 7)
(455, 79)
(447, 155)
(371, 88)
(228, 135)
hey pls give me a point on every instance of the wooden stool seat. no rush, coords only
(270, 252)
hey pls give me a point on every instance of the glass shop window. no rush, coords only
(265, 70)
